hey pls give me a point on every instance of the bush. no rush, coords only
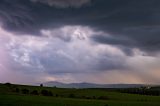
(93, 97)
(86, 97)
(103, 97)
(71, 96)
(50, 93)
(35, 92)
(57, 95)
(25, 91)
(17, 90)
(9, 85)
(46, 93)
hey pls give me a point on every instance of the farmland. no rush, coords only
(21, 95)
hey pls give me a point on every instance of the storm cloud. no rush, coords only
(95, 36)
(64, 3)
(134, 24)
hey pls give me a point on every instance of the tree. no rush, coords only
(8, 84)
(41, 85)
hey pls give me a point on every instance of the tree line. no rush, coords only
(141, 91)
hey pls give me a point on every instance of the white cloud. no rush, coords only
(50, 57)
(69, 33)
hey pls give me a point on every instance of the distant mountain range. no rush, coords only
(89, 85)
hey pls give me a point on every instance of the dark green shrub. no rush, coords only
(34, 92)
(50, 93)
(103, 98)
(17, 90)
(46, 93)
(25, 91)
(57, 95)
(71, 96)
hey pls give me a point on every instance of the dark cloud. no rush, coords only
(80, 39)
(131, 24)
(15, 15)
(135, 25)
(64, 3)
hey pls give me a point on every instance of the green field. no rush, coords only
(72, 97)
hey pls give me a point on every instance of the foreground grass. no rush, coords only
(8, 98)
(21, 100)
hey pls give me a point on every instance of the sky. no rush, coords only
(97, 41)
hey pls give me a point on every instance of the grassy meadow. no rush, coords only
(20, 95)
